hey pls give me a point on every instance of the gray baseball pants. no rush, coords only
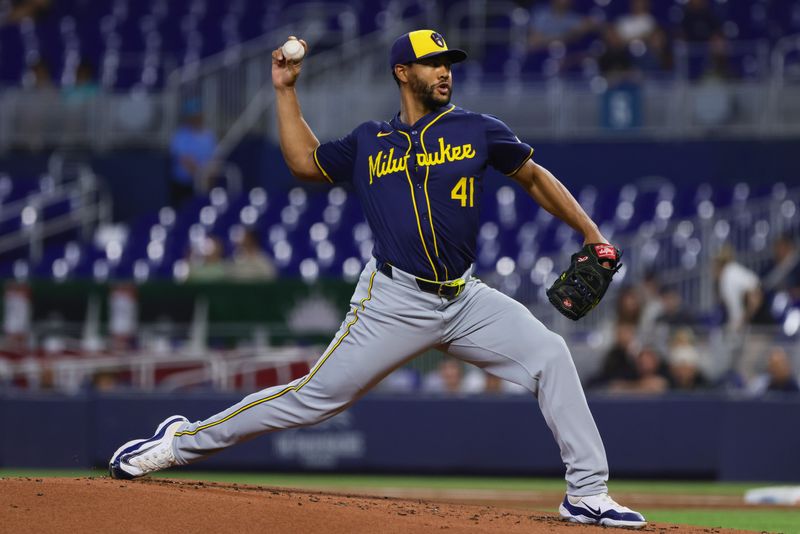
(390, 323)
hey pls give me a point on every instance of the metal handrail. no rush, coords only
(95, 209)
(252, 48)
(70, 373)
(699, 277)
(53, 227)
(40, 199)
(780, 51)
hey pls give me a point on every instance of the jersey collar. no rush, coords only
(397, 124)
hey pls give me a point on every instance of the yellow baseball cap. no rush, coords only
(422, 44)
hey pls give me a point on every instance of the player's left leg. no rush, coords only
(498, 334)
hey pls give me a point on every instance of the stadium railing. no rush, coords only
(71, 369)
(234, 88)
(58, 207)
(239, 369)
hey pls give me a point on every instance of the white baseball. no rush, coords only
(293, 50)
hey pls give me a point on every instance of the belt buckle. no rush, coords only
(459, 284)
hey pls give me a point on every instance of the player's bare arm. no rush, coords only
(297, 140)
(551, 194)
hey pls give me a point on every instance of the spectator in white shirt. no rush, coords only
(739, 290)
(639, 23)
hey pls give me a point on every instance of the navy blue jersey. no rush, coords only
(420, 185)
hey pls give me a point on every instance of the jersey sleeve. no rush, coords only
(336, 159)
(507, 153)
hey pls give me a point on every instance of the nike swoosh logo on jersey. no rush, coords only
(384, 134)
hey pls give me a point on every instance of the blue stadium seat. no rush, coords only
(189, 29)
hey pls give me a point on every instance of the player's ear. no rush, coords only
(401, 73)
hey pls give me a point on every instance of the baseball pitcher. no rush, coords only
(419, 177)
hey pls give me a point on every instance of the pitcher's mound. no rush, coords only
(105, 505)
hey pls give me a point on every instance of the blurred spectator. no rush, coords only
(731, 381)
(629, 306)
(699, 22)
(739, 289)
(76, 97)
(718, 60)
(85, 86)
(104, 381)
(616, 61)
(684, 363)
(780, 281)
(649, 294)
(779, 376)
(619, 361)
(35, 114)
(192, 148)
(558, 22)
(673, 312)
(649, 378)
(447, 379)
(38, 77)
(639, 23)
(783, 271)
(656, 57)
(23, 9)
(250, 262)
(210, 265)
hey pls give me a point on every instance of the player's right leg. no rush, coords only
(383, 330)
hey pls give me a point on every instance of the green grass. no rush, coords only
(756, 519)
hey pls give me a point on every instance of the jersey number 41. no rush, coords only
(463, 193)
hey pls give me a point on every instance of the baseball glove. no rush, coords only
(583, 284)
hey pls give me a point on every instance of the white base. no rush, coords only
(783, 495)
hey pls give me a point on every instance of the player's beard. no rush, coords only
(426, 94)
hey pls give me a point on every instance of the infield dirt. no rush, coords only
(87, 505)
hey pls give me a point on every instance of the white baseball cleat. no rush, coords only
(599, 510)
(139, 457)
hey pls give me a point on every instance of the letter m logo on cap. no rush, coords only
(438, 39)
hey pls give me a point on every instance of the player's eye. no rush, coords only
(436, 62)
